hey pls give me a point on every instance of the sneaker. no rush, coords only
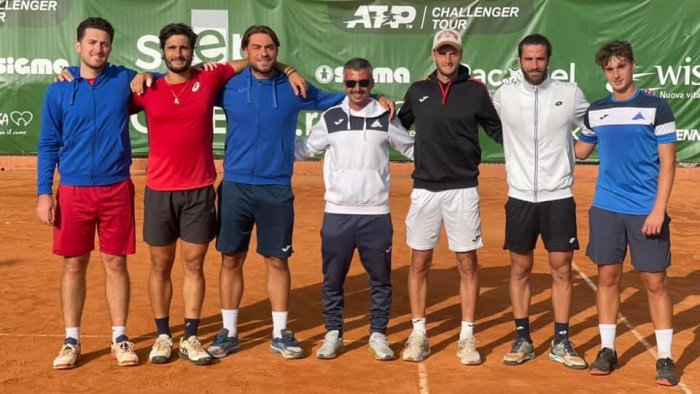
(665, 376)
(379, 346)
(161, 350)
(520, 351)
(467, 353)
(332, 343)
(223, 345)
(417, 347)
(287, 346)
(605, 362)
(191, 349)
(123, 352)
(564, 353)
(68, 356)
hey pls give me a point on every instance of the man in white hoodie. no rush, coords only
(356, 135)
(538, 115)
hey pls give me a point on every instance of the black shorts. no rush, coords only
(185, 214)
(269, 207)
(554, 220)
(610, 233)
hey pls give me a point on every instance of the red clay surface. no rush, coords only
(31, 326)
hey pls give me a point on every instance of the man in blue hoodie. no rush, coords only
(262, 114)
(85, 133)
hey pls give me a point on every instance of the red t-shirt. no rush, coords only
(181, 130)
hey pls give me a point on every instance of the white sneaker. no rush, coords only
(161, 350)
(123, 352)
(332, 343)
(417, 347)
(191, 349)
(68, 356)
(467, 353)
(379, 346)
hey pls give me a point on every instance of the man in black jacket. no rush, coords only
(447, 109)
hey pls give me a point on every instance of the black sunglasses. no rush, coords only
(364, 83)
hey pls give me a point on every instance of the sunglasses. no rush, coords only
(364, 83)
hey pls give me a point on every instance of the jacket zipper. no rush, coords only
(536, 145)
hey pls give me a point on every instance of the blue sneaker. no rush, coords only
(287, 346)
(223, 345)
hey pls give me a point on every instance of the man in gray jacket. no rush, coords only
(538, 115)
(356, 135)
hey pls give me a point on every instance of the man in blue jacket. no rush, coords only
(85, 133)
(262, 114)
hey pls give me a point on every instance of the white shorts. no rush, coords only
(458, 208)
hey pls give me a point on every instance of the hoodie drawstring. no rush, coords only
(445, 91)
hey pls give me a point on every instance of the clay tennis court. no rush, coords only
(31, 326)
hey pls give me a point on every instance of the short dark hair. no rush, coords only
(177, 29)
(621, 49)
(357, 64)
(95, 23)
(535, 39)
(256, 29)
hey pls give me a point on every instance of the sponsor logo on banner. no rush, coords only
(480, 16)
(25, 66)
(677, 77)
(326, 74)
(15, 122)
(688, 134)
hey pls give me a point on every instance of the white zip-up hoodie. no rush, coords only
(537, 137)
(356, 163)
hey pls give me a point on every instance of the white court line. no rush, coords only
(629, 325)
(423, 379)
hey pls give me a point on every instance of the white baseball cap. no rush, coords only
(447, 37)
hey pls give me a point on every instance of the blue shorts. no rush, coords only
(610, 233)
(269, 207)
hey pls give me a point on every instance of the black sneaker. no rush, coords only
(605, 362)
(665, 376)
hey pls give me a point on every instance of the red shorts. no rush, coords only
(80, 209)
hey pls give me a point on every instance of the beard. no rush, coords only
(178, 69)
(535, 79)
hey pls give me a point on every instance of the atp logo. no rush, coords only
(379, 16)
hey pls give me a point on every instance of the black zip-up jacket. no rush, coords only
(447, 118)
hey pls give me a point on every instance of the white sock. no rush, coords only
(607, 335)
(467, 330)
(230, 318)
(419, 325)
(73, 332)
(117, 331)
(664, 338)
(279, 323)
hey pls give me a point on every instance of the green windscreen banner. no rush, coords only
(37, 39)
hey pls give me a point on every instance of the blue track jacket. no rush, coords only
(85, 131)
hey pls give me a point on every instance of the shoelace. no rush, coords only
(68, 349)
(289, 340)
(569, 347)
(162, 344)
(519, 342)
(382, 340)
(126, 346)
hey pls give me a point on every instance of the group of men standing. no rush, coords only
(85, 133)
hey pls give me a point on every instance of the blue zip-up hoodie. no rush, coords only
(85, 131)
(262, 117)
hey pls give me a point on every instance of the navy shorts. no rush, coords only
(270, 208)
(554, 220)
(610, 233)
